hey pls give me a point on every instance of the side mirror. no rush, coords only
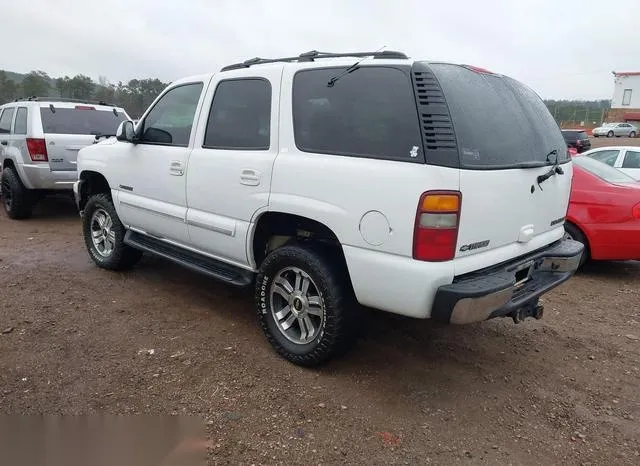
(126, 131)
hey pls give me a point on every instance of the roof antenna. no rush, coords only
(352, 68)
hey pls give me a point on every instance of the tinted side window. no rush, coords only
(170, 121)
(368, 113)
(5, 120)
(20, 126)
(631, 159)
(606, 156)
(240, 115)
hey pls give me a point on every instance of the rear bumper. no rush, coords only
(509, 288)
(40, 176)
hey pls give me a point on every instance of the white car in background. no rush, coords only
(616, 129)
(625, 159)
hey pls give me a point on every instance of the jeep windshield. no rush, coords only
(499, 123)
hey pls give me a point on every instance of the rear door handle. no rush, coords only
(176, 168)
(250, 177)
(4, 143)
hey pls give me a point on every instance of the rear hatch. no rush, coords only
(505, 138)
(68, 127)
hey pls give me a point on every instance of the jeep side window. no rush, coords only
(20, 126)
(368, 113)
(5, 120)
(240, 116)
(170, 121)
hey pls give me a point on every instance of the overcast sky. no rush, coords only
(561, 48)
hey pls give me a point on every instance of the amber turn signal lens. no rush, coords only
(441, 203)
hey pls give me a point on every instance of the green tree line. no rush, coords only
(134, 96)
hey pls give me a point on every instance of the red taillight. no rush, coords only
(436, 228)
(636, 211)
(37, 150)
(478, 69)
(84, 107)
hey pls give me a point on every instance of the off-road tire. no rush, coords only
(338, 332)
(122, 257)
(16, 198)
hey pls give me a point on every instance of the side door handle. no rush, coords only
(4, 143)
(250, 177)
(176, 168)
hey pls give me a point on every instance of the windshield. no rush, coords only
(602, 170)
(86, 120)
(609, 125)
(499, 122)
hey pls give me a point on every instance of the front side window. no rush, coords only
(20, 126)
(5, 120)
(171, 119)
(631, 159)
(606, 156)
(626, 97)
(240, 116)
(370, 112)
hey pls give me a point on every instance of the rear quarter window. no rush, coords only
(370, 112)
(498, 121)
(61, 120)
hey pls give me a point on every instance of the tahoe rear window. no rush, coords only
(499, 122)
(80, 121)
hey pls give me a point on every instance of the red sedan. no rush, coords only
(604, 211)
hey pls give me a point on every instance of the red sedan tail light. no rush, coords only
(636, 211)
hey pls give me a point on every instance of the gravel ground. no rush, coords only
(163, 340)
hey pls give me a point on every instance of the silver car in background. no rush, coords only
(39, 143)
(616, 129)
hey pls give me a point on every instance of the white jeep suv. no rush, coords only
(39, 142)
(430, 190)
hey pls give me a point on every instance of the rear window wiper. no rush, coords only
(556, 169)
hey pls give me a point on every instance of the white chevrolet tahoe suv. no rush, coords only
(39, 142)
(430, 190)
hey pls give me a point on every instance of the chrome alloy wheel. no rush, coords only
(102, 235)
(297, 306)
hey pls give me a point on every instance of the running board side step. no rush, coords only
(206, 265)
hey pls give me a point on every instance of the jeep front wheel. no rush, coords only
(305, 305)
(104, 235)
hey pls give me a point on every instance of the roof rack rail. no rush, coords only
(62, 99)
(314, 55)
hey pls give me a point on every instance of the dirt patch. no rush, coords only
(163, 340)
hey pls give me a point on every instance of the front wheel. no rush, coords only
(305, 304)
(104, 235)
(610, 134)
(572, 232)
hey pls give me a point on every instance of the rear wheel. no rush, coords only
(17, 199)
(104, 235)
(305, 305)
(632, 134)
(572, 232)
